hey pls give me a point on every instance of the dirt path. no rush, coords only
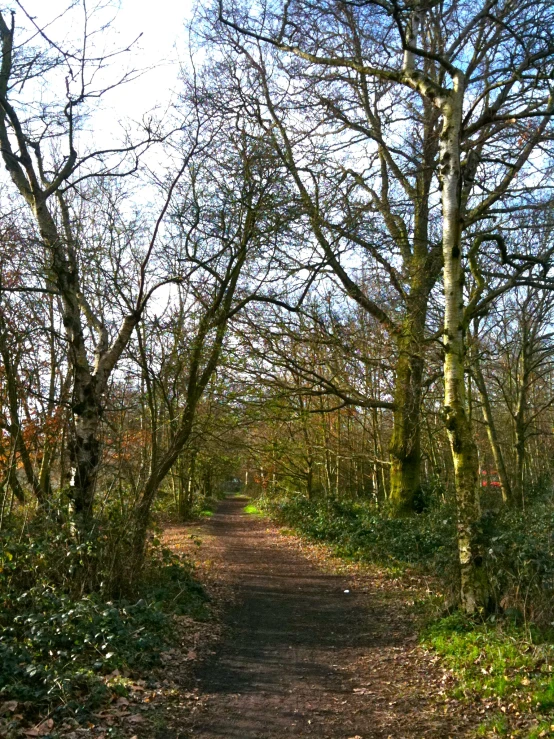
(304, 658)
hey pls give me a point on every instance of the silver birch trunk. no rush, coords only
(474, 591)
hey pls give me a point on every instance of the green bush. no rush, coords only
(358, 531)
(517, 546)
(519, 558)
(59, 638)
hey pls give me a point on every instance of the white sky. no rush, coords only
(162, 44)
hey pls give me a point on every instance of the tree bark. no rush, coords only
(474, 590)
(423, 265)
(492, 434)
(83, 443)
(405, 446)
(520, 444)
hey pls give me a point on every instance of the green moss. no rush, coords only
(252, 510)
(544, 729)
(545, 698)
(498, 726)
(495, 661)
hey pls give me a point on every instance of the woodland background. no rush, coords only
(323, 277)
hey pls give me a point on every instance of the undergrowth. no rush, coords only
(496, 660)
(65, 625)
(517, 546)
(359, 532)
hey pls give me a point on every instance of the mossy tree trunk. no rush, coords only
(405, 446)
(422, 265)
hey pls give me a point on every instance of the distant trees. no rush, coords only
(469, 85)
(29, 419)
(364, 171)
(524, 342)
(353, 221)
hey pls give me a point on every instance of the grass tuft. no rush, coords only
(496, 661)
(252, 510)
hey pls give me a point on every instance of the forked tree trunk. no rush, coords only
(83, 442)
(199, 377)
(155, 478)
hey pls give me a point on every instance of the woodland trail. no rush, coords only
(301, 657)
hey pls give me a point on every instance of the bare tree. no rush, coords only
(225, 226)
(484, 68)
(47, 182)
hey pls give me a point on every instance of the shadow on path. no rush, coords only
(302, 657)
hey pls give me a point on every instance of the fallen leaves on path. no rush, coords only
(391, 680)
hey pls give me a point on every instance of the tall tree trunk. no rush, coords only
(492, 434)
(187, 486)
(405, 446)
(474, 591)
(83, 442)
(423, 265)
(309, 478)
(520, 443)
(379, 476)
(337, 469)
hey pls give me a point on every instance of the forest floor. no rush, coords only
(310, 647)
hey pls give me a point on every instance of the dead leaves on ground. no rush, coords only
(43, 729)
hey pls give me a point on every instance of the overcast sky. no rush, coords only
(158, 51)
(162, 43)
